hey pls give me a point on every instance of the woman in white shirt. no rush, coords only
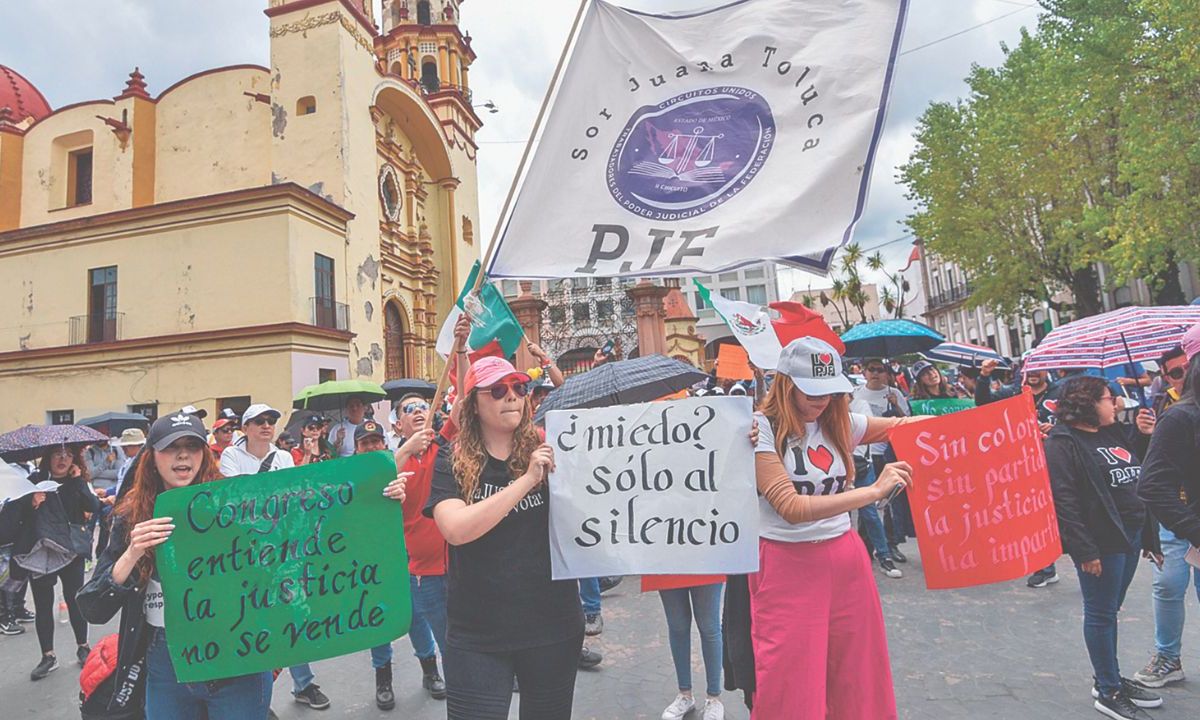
(820, 648)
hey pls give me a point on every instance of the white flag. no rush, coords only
(707, 140)
(751, 326)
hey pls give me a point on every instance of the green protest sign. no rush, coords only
(940, 406)
(273, 570)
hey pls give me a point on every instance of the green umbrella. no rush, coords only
(334, 395)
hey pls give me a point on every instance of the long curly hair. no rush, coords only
(470, 454)
(1077, 402)
(138, 503)
(77, 460)
(787, 424)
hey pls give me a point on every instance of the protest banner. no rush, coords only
(940, 406)
(980, 494)
(697, 142)
(733, 363)
(276, 569)
(657, 488)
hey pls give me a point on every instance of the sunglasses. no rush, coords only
(226, 429)
(876, 369)
(1176, 374)
(267, 420)
(413, 407)
(499, 391)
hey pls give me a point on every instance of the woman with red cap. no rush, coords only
(506, 616)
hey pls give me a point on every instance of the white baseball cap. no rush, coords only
(814, 367)
(259, 409)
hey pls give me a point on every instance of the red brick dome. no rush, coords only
(21, 96)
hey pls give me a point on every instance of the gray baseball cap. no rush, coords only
(814, 367)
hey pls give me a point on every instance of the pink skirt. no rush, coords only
(820, 647)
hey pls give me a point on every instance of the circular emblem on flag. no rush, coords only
(691, 153)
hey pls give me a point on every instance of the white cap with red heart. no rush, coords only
(814, 366)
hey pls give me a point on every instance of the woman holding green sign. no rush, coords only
(506, 616)
(126, 581)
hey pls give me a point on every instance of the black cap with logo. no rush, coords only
(167, 430)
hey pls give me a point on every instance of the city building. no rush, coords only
(246, 231)
(838, 312)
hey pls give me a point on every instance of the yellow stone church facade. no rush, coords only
(246, 231)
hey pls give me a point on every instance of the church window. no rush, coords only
(306, 105)
(390, 197)
(424, 13)
(429, 75)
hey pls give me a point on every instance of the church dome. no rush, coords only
(19, 94)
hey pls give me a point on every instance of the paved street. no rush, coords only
(1002, 651)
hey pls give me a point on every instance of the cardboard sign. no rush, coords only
(657, 488)
(980, 495)
(733, 363)
(281, 568)
(940, 406)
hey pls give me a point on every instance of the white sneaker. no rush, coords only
(683, 705)
(713, 710)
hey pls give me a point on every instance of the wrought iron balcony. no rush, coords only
(956, 294)
(329, 314)
(100, 328)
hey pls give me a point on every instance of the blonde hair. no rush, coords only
(470, 454)
(781, 412)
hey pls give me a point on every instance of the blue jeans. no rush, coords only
(705, 603)
(241, 698)
(874, 523)
(1170, 592)
(302, 677)
(428, 620)
(589, 595)
(1102, 598)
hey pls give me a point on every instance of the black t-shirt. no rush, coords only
(499, 593)
(1120, 466)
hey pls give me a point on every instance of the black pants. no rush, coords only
(479, 685)
(71, 577)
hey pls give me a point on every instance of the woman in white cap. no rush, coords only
(506, 616)
(820, 648)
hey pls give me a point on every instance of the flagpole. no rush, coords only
(486, 265)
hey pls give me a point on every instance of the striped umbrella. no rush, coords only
(1121, 337)
(965, 354)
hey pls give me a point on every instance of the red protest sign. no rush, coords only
(980, 494)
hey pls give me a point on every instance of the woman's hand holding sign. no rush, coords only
(541, 464)
(395, 490)
(895, 477)
(144, 537)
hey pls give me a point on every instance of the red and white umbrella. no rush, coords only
(1120, 337)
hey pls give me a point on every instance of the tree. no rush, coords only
(892, 299)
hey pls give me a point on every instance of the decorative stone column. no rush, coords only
(651, 318)
(528, 309)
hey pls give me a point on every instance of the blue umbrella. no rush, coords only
(31, 441)
(889, 338)
(965, 354)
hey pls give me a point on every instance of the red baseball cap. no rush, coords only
(488, 371)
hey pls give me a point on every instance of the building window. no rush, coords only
(79, 177)
(424, 13)
(102, 304)
(510, 288)
(238, 404)
(429, 76)
(605, 310)
(1123, 297)
(581, 312)
(628, 306)
(727, 277)
(389, 192)
(324, 307)
(61, 417)
(558, 314)
(1014, 342)
(325, 375)
(306, 105)
(756, 294)
(699, 301)
(393, 341)
(731, 293)
(146, 410)
(753, 273)
(603, 282)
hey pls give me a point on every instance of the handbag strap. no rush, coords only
(266, 463)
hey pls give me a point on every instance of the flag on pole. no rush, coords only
(751, 325)
(492, 321)
(702, 141)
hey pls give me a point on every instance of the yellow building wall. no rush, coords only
(211, 137)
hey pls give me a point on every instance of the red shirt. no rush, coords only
(425, 544)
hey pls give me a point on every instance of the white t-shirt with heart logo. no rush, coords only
(816, 468)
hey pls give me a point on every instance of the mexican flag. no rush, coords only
(494, 328)
(764, 337)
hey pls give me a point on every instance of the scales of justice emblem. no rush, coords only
(690, 153)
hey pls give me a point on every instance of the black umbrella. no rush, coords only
(115, 423)
(623, 382)
(31, 441)
(397, 389)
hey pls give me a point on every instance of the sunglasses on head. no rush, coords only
(499, 391)
(1176, 374)
(264, 420)
(415, 406)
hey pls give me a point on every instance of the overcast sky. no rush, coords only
(75, 50)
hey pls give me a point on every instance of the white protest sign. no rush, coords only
(653, 489)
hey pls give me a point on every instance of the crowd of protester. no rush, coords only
(488, 620)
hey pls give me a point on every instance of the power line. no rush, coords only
(967, 30)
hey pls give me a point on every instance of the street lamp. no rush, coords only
(490, 106)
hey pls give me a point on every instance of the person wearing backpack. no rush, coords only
(256, 453)
(126, 581)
